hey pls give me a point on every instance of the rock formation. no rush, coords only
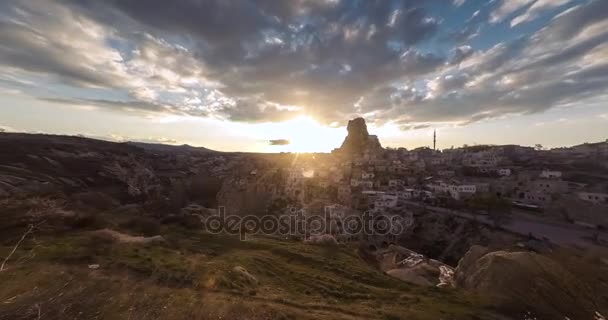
(527, 281)
(409, 266)
(359, 141)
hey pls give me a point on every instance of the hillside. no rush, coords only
(99, 230)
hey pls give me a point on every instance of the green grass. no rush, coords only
(192, 270)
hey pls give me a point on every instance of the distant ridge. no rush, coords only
(168, 147)
(82, 139)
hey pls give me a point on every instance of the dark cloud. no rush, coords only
(135, 106)
(279, 142)
(255, 110)
(316, 54)
(267, 60)
(26, 48)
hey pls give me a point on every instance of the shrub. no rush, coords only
(389, 316)
(143, 225)
(86, 221)
(96, 200)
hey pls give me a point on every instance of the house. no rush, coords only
(457, 191)
(537, 198)
(439, 187)
(369, 197)
(406, 195)
(504, 172)
(548, 174)
(594, 197)
(366, 185)
(367, 175)
(481, 187)
(549, 186)
(337, 210)
(461, 192)
(446, 173)
(396, 183)
(409, 194)
(484, 159)
(437, 161)
(386, 201)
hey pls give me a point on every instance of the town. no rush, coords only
(493, 184)
(468, 218)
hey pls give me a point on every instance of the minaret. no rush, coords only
(435, 140)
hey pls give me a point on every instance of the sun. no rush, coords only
(307, 135)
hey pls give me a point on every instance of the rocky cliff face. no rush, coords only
(550, 286)
(359, 141)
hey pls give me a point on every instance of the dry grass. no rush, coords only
(192, 276)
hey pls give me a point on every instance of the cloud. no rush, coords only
(134, 106)
(534, 11)
(458, 3)
(463, 35)
(279, 142)
(460, 54)
(559, 65)
(35, 41)
(507, 8)
(120, 138)
(272, 51)
(267, 61)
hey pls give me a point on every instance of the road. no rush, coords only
(558, 233)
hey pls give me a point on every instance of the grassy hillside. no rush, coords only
(192, 275)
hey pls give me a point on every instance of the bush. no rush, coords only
(143, 225)
(191, 222)
(100, 243)
(86, 221)
(96, 200)
(389, 316)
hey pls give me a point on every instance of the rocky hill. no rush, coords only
(359, 141)
(99, 230)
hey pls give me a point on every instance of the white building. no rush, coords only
(386, 201)
(537, 197)
(366, 185)
(367, 175)
(409, 194)
(459, 192)
(594, 197)
(439, 187)
(484, 159)
(454, 190)
(446, 173)
(396, 183)
(337, 210)
(548, 174)
(505, 172)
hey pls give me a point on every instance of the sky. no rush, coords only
(252, 75)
